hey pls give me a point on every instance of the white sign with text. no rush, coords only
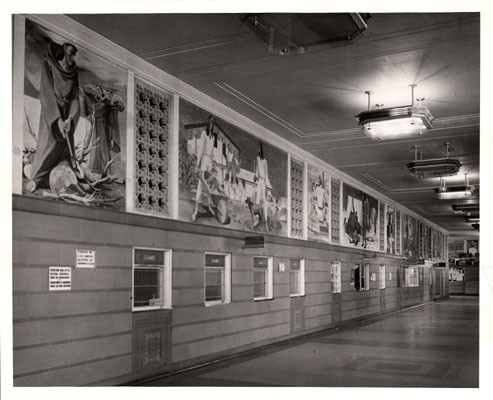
(60, 278)
(85, 258)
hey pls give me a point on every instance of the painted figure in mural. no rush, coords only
(59, 98)
(320, 199)
(259, 207)
(204, 169)
(261, 177)
(352, 225)
(102, 107)
(390, 232)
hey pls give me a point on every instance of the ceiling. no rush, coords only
(311, 98)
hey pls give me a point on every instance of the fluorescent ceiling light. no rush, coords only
(465, 207)
(395, 122)
(433, 168)
(455, 192)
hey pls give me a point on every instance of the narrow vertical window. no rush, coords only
(263, 278)
(297, 277)
(382, 276)
(335, 272)
(217, 279)
(361, 277)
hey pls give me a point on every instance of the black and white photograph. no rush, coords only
(247, 197)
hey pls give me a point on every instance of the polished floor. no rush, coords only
(434, 345)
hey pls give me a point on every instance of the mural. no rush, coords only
(228, 177)
(318, 204)
(74, 103)
(360, 219)
(390, 220)
(456, 249)
(410, 237)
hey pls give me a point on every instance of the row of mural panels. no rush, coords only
(75, 140)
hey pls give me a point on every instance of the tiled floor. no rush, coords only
(435, 345)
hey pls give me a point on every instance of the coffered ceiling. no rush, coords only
(311, 98)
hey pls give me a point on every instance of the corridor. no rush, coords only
(434, 345)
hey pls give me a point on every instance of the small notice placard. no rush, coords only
(85, 258)
(60, 278)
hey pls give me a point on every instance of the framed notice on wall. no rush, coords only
(60, 278)
(85, 258)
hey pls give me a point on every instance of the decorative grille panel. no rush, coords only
(335, 209)
(296, 198)
(382, 226)
(397, 232)
(151, 149)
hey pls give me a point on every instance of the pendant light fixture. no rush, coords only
(433, 168)
(455, 192)
(395, 122)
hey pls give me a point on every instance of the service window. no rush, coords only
(382, 276)
(263, 283)
(297, 277)
(411, 277)
(151, 279)
(362, 277)
(217, 279)
(335, 274)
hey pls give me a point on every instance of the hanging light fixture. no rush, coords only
(455, 192)
(433, 168)
(395, 122)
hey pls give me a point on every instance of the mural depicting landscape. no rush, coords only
(228, 177)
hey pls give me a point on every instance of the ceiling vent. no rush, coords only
(433, 168)
(286, 34)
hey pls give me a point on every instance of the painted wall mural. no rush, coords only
(228, 177)
(74, 122)
(410, 237)
(390, 231)
(359, 219)
(319, 199)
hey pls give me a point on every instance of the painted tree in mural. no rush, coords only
(73, 143)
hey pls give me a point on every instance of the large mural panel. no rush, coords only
(228, 177)
(390, 229)
(74, 122)
(410, 237)
(318, 204)
(359, 219)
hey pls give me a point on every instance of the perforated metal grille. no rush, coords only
(151, 149)
(382, 226)
(296, 198)
(397, 232)
(335, 210)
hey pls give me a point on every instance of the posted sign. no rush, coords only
(85, 258)
(60, 278)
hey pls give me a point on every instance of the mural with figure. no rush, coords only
(74, 103)
(359, 219)
(410, 237)
(390, 221)
(228, 177)
(318, 204)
